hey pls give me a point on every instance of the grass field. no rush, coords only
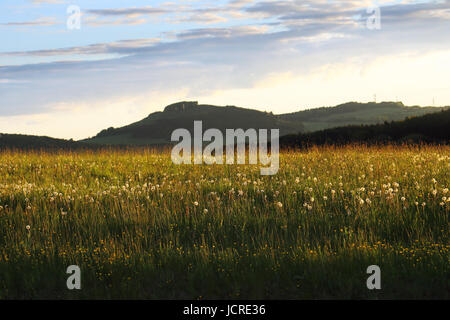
(140, 227)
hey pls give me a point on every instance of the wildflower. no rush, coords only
(205, 211)
(28, 227)
(403, 199)
(195, 203)
(280, 205)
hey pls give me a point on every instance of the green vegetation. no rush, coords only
(158, 127)
(141, 227)
(354, 113)
(431, 128)
(23, 142)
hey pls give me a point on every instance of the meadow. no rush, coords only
(141, 227)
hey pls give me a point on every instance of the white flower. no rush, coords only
(28, 227)
(280, 205)
(205, 211)
(195, 203)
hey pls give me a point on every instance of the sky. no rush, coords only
(70, 68)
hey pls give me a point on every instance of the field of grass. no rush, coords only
(140, 227)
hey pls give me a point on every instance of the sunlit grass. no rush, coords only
(142, 227)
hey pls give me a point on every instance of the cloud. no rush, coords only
(128, 11)
(122, 47)
(45, 21)
(222, 32)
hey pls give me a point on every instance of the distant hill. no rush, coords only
(429, 128)
(354, 113)
(158, 127)
(26, 142)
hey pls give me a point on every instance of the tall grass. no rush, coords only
(141, 227)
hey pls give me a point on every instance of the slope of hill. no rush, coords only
(158, 126)
(23, 142)
(429, 128)
(354, 113)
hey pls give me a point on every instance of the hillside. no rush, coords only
(158, 126)
(156, 129)
(354, 113)
(429, 128)
(24, 142)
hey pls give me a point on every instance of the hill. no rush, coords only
(158, 126)
(430, 128)
(354, 113)
(26, 142)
